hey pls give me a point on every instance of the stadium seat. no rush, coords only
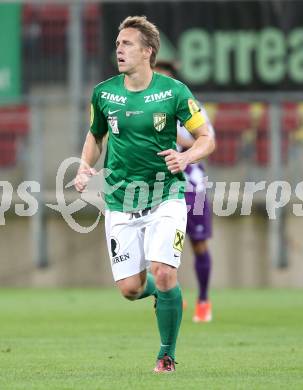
(230, 121)
(92, 29)
(227, 147)
(45, 41)
(8, 149)
(52, 19)
(290, 122)
(14, 119)
(14, 124)
(233, 116)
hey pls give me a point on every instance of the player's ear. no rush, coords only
(147, 52)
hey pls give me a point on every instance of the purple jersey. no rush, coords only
(194, 174)
(199, 216)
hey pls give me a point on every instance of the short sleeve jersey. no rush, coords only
(139, 125)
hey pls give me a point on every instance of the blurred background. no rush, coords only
(244, 62)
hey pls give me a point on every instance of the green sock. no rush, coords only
(150, 288)
(169, 315)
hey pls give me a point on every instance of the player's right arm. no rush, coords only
(91, 152)
(92, 148)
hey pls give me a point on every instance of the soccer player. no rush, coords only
(199, 223)
(145, 219)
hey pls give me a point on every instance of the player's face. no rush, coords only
(130, 52)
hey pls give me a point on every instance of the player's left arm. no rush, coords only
(203, 145)
(185, 143)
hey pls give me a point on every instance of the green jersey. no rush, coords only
(139, 125)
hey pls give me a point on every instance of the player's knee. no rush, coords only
(131, 288)
(163, 278)
(200, 247)
(130, 292)
(130, 295)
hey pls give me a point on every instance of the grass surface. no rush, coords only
(94, 339)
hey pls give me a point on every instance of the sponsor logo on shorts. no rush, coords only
(179, 240)
(114, 246)
(119, 259)
(199, 228)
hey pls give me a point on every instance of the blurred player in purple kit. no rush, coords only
(199, 219)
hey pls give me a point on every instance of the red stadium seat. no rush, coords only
(91, 28)
(263, 146)
(226, 153)
(290, 117)
(14, 119)
(14, 123)
(233, 117)
(8, 148)
(230, 121)
(53, 20)
(290, 122)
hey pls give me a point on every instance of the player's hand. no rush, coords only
(83, 177)
(175, 161)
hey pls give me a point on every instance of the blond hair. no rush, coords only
(149, 34)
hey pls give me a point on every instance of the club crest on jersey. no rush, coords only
(159, 120)
(113, 123)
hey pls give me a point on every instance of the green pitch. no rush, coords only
(94, 339)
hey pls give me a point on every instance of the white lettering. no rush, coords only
(232, 200)
(114, 98)
(6, 199)
(163, 95)
(28, 199)
(250, 188)
(297, 208)
(272, 202)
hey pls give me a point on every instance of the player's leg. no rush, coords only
(125, 241)
(199, 229)
(149, 287)
(202, 267)
(168, 308)
(203, 309)
(133, 286)
(164, 240)
(137, 286)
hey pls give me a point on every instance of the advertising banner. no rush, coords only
(10, 25)
(221, 46)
